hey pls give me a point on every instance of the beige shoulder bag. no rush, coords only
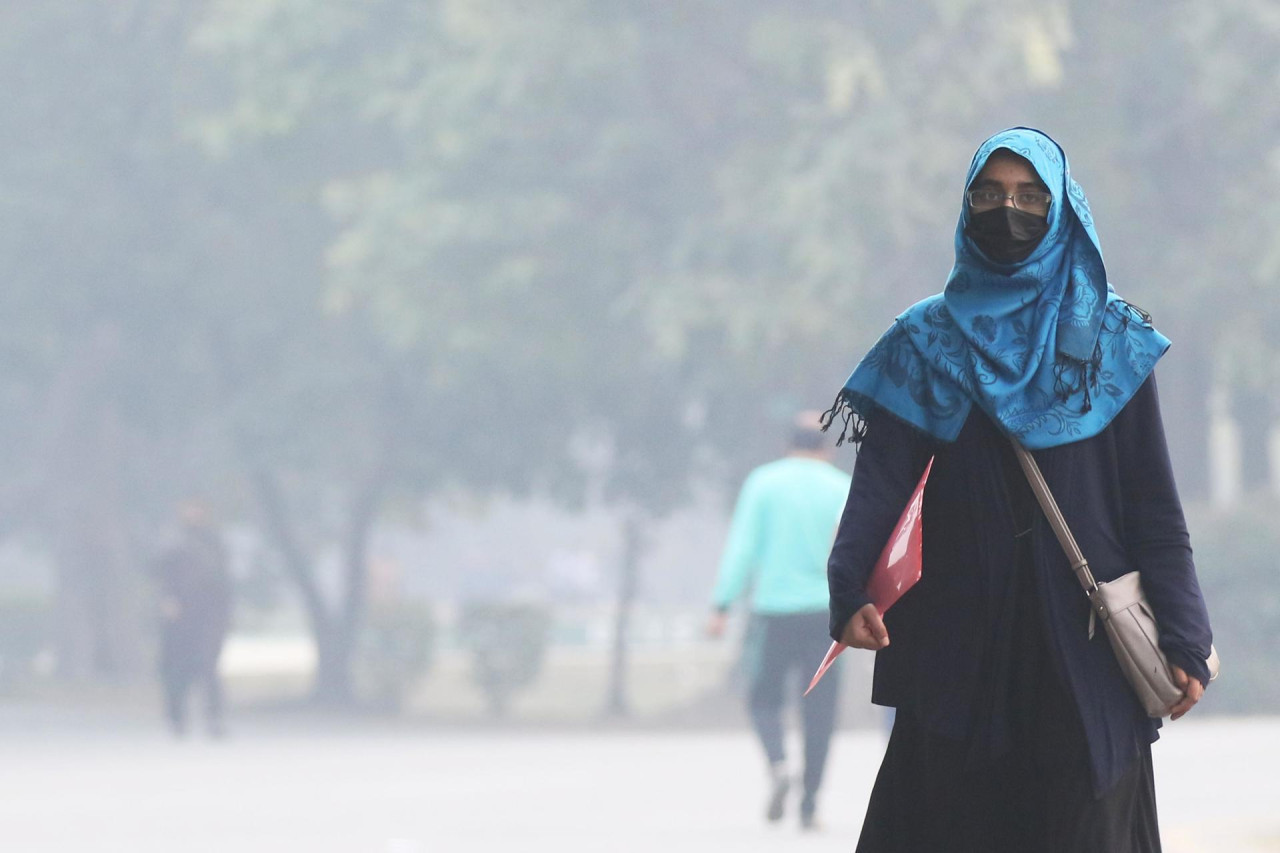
(1120, 604)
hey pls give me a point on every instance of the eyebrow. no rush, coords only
(1024, 185)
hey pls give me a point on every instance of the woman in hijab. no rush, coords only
(1014, 730)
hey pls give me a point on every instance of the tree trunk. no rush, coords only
(336, 648)
(617, 702)
(334, 635)
(83, 456)
(334, 629)
(333, 653)
(364, 513)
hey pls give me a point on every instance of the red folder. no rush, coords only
(896, 571)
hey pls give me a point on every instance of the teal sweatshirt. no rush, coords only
(781, 536)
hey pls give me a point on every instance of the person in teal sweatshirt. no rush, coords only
(776, 555)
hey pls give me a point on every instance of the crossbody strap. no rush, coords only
(1079, 565)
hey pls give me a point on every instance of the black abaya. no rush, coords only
(933, 794)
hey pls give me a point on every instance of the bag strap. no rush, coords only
(1079, 565)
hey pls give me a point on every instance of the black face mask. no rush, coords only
(1006, 235)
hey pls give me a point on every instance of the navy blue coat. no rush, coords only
(947, 662)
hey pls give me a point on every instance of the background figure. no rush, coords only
(778, 544)
(195, 613)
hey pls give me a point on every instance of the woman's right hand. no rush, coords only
(865, 630)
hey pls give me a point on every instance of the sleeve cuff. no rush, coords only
(842, 611)
(1193, 665)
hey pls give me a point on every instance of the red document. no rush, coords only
(896, 571)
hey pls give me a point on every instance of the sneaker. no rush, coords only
(777, 799)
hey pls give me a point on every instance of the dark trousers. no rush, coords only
(189, 660)
(782, 653)
(177, 688)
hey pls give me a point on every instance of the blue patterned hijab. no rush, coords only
(1043, 346)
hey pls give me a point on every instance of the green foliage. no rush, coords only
(541, 222)
(609, 218)
(1232, 49)
(372, 248)
(508, 643)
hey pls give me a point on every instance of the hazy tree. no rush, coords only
(331, 254)
(93, 185)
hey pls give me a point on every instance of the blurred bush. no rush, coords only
(26, 626)
(395, 651)
(508, 642)
(1236, 556)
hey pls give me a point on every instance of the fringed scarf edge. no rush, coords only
(853, 429)
(1086, 372)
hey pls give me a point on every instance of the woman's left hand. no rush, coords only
(1192, 690)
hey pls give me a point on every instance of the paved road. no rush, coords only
(271, 789)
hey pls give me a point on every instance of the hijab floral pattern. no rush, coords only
(1044, 346)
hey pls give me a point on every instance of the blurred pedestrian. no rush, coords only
(1016, 729)
(778, 544)
(195, 594)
